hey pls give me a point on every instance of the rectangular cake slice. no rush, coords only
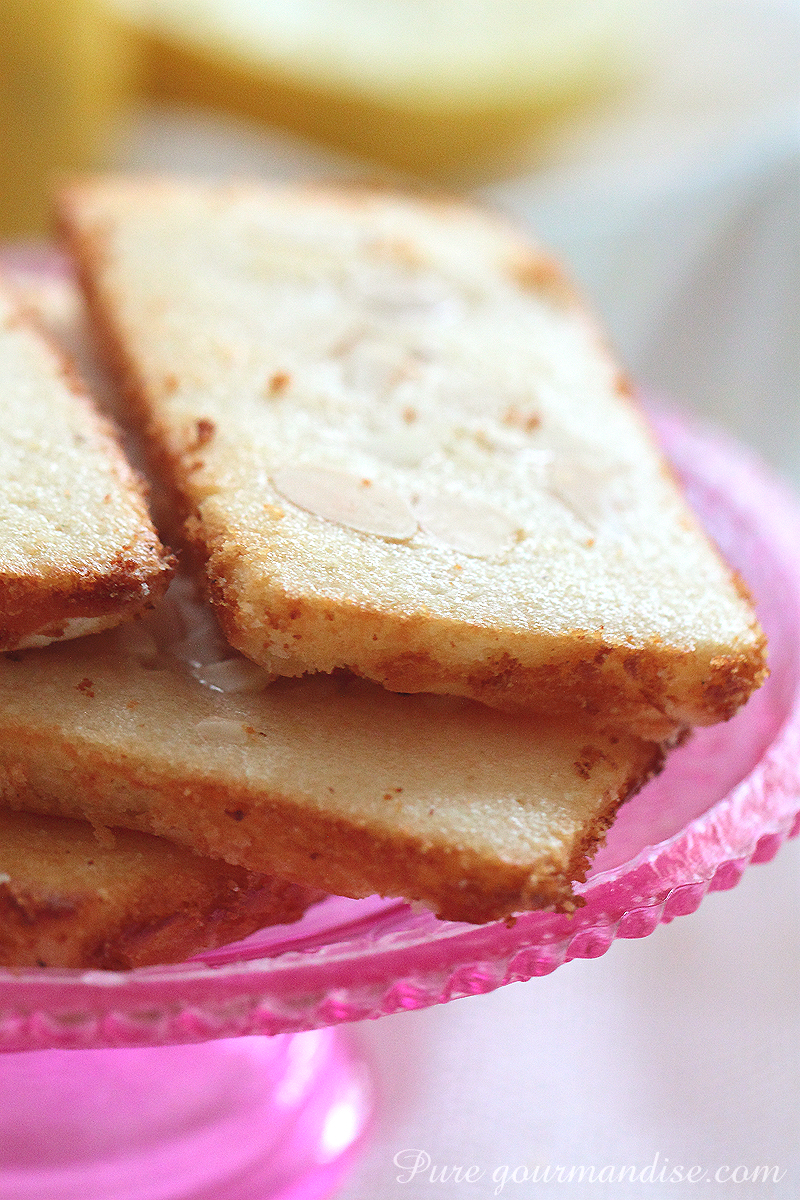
(78, 552)
(402, 449)
(132, 900)
(331, 782)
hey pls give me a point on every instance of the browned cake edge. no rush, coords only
(132, 900)
(652, 690)
(41, 603)
(284, 836)
(85, 255)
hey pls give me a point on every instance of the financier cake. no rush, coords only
(78, 552)
(403, 450)
(68, 899)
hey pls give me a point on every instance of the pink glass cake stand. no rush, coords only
(112, 1105)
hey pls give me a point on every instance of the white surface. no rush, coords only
(684, 1045)
(678, 212)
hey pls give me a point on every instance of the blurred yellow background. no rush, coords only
(65, 66)
(452, 90)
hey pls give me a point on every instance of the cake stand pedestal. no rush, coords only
(235, 1119)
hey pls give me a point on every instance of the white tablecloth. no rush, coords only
(679, 1050)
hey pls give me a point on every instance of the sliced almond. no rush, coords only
(232, 675)
(346, 499)
(374, 366)
(470, 526)
(585, 488)
(222, 730)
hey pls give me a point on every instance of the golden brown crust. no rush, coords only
(42, 604)
(503, 682)
(654, 688)
(280, 833)
(66, 900)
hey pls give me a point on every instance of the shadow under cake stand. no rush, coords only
(224, 1078)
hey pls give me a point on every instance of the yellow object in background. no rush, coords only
(455, 90)
(451, 89)
(65, 68)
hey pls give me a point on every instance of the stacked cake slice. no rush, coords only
(403, 450)
(78, 552)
